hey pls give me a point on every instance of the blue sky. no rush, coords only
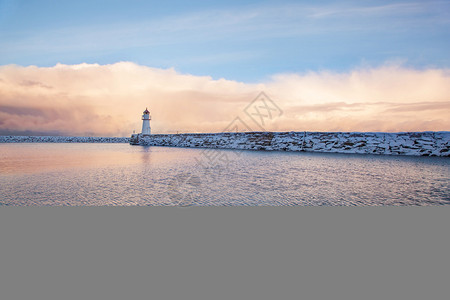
(238, 40)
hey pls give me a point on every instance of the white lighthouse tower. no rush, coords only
(146, 122)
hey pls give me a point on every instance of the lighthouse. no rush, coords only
(146, 122)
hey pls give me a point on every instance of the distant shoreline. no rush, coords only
(62, 139)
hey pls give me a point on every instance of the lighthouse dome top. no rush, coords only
(146, 112)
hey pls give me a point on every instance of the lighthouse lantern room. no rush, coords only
(146, 122)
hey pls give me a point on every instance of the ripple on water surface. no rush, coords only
(120, 174)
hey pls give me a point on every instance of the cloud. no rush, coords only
(374, 10)
(107, 100)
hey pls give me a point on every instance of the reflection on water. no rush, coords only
(39, 158)
(120, 174)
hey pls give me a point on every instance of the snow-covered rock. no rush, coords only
(402, 143)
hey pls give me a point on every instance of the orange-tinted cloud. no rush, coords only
(107, 100)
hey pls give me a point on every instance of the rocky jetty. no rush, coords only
(62, 139)
(403, 143)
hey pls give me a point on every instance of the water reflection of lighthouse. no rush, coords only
(146, 130)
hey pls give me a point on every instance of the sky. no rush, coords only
(92, 67)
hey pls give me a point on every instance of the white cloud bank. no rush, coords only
(107, 100)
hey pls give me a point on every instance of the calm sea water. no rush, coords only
(120, 174)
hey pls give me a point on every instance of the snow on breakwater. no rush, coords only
(403, 143)
(62, 139)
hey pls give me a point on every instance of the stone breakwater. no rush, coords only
(405, 143)
(62, 139)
